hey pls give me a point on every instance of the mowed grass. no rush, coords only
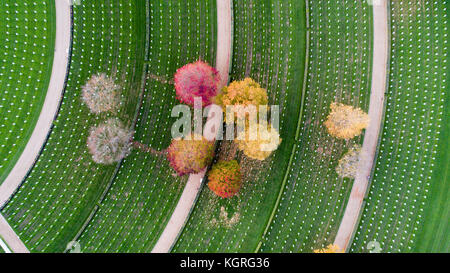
(339, 69)
(269, 46)
(2, 250)
(28, 39)
(64, 186)
(407, 206)
(145, 191)
(434, 236)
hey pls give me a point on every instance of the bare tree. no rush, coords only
(110, 142)
(101, 94)
(348, 164)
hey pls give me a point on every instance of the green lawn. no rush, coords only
(306, 53)
(1, 248)
(28, 39)
(407, 206)
(434, 235)
(144, 193)
(269, 46)
(64, 186)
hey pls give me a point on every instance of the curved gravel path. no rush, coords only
(376, 106)
(11, 239)
(187, 200)
(50, 107)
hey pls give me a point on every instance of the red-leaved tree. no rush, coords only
(197, 80)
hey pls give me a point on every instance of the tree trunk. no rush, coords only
(145, 148)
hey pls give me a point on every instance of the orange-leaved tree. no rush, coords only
(225, 178)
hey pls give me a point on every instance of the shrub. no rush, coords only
(329, 249)
(348, 164)
(345, 121)
(244, 93)
(196, 80)
(265, 142)
(101, 94)
(109, 142)
(225, 178)
(188, 156)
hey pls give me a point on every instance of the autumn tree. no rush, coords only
(197, 80)
(101, 94)
(225, 178)
(258, 140)
(329, 249)
(345, 121)
(242, 93)
(109, 142)
(190, 155)
(348, 164)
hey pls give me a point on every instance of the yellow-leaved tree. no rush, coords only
(345, 121)
(329, 249)
(242, 93)
(258, 141)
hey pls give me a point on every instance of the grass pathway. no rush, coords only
(194, 184)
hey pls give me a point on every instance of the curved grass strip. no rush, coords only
(283, 184)
(269, 46)
(28, 41)
(62, 189)
(144, 194)
(401, 194)
(50, 107)
(434, 235)
(314, 197)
